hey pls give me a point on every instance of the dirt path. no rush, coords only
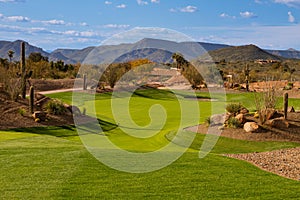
(60, 90)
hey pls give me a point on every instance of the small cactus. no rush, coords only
(31, 99)
(84, 82)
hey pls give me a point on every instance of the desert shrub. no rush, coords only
(233, 123)
(267, 99)
(289, 86)
(207, 121)
(55, 107)
(234, 108)
(10, 81)
(22, 111)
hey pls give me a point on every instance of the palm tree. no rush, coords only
(10, 54)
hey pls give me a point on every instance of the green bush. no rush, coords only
(55, 107)
(289, 86)
(234, 108)
(207, 121)
(233, 123)
(22, 111)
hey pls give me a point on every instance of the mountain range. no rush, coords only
(154, 49)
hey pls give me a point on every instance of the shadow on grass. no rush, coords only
(155, 94)
(69, 130)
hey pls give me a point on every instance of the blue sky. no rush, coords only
(52, 24)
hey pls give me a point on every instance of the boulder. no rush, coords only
(39, 96)
(268, 113)
(39, 116)
(228, 116)
(240, 118)
(218, 119)
(251, 127)
(73, 109)
(244, 111)
(280, 123)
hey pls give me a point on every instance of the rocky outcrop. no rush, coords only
(251, 127)
(39, 116)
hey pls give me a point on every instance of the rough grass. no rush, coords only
(52, 163)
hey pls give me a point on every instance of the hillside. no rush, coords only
(70, 55)
(155, 55)
(109, 53)
(5, 46)
(190, 50)
(290, 53)
(240, 53)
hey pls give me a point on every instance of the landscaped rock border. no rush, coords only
(284, 162)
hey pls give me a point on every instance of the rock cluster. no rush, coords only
(242, 119)
(40, 115)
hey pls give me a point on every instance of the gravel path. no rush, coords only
(285, 162)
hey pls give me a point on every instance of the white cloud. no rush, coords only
(17, 18)
(116, 26)
(291, 17)
(248, 14)
(189, 9)
(173, 10)
(121, 6)
(74, 33)
(83, 24)
(54, 22)
(14, 18)
(225, 15)
(141, 2)
(11, 1)
(292, 3)
(155, 1)
(107, 2)
(88, 34)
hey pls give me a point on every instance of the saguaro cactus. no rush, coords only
(247, 72)
(24, 74)
(31, 99)
(84, 82)
(23, 71)
(285, 104)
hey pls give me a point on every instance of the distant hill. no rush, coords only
(70, 55)
(240, 53)
(290, 53)
(5, 46)
(155, 55)
(153, 49)
(110, 53)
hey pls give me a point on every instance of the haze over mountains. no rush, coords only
(153, 49)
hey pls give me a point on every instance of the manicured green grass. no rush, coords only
(49, 166)
(52, 163)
